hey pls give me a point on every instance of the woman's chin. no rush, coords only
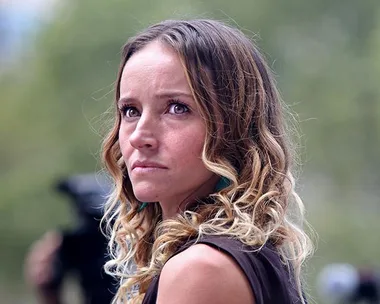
(145, 192)
(146, 196)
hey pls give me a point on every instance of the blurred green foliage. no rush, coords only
(326, 55)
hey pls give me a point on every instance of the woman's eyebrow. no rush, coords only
(127, 100)
(159, 95)
(173, 94)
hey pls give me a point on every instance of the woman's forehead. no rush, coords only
(157, 67)
(154, 55)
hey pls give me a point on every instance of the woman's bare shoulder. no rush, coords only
(203, 274)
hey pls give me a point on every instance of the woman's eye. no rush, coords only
(129, 111)
(178, 108)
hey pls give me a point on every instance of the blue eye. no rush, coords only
(128, 111)
(177, 108)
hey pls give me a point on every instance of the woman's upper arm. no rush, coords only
(203, 275)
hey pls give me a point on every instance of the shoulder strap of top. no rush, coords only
(268, 277)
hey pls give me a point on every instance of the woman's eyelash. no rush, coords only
(178, 102)
(124, 108)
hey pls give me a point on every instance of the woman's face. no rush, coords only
(161, 133)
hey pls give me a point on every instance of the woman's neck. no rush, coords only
(170, 208)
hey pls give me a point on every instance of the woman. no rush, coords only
(201, 164)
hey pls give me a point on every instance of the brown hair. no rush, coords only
(246, 142)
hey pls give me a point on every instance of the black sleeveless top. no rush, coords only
(268, 277)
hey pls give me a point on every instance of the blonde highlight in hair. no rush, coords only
(246, 142)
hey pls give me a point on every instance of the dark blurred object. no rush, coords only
(84, 248)
(368, 289)
(346, 284)
(88, 192)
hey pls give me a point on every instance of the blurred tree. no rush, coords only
(52, 122)
(321, 50)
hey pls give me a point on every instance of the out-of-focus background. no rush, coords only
(58, 63)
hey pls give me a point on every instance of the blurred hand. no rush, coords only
(39, 264)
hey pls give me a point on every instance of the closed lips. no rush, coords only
(146, 164)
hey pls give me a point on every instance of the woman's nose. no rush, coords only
(143, 136)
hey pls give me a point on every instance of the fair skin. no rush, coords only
(162, 133)
(203, 275)
(161, 139)
(39, 267)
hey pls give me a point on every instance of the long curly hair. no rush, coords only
(246, 142)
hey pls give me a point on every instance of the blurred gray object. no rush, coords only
(84, 247)
(346, 284)
(88, 192)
